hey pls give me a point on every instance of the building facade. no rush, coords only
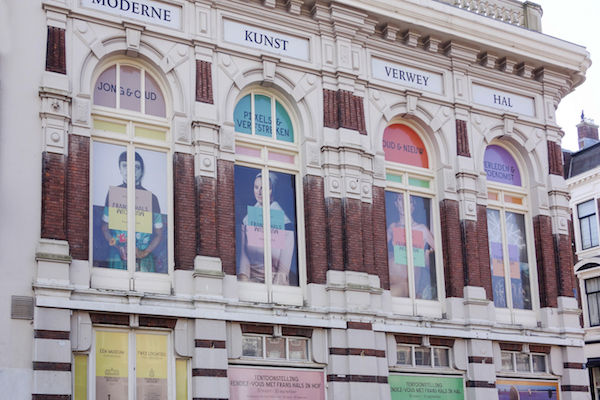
(419, 238)
(582, 170)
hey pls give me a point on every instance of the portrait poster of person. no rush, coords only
(110, 212)
(250, 205)
(423, 246)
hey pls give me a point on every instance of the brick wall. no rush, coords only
(184, 193)
(544, 251)
(380, 237)
(367, 238)
(451, 236)
(55, 50)
(485, 271)
(462, 139)
(564, 261)
(78, 196)
(470, 252)
(555, 163)
(342, 109)
(352, 233)
(54, 221)
(206, 197)
(204, 92)
(335, 250)
(316, 230)
(226, 216)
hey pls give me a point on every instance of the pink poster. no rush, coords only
(284, 384)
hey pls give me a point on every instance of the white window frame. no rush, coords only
(594, 217)
(267, 292)
(131, 280)
(431, 348)
(287, 358)
(411, 305)
(131, 359)
(509, 314)
(530, 356)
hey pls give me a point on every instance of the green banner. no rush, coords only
(426, 387)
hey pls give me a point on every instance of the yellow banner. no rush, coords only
(151, 356)
(80, 376)
(117, 208)
(143, 211)
(111, 354)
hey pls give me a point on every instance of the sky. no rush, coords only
(576, 21)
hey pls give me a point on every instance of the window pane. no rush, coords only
(181, 377)
(500, 166)
(275, 347)
(284, 254)
(586, 234)
(284, 129)
(252, 346)
(109, 127)
(151, 366)
(130, 90)
(441, 357)
(80, 377)
(507, 361)
(249, 224)
(153, 134)
(242, 115)
(151, 211)
(109, 205)
(154, 102)
(522, 362)
(519, 265)
(393, 178)
(496, 257)
(105, 89)
(396, 244)
(423, 356)
(262, 116)
(423, 247)
(418, 182)
(592, 285)
(539, 362)
(404, 354)
(112, 368)
(593, 309)
(298, 349)
(586, 209)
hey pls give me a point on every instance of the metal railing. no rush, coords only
(527, 14)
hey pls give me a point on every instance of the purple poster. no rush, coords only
(500, 166)
(527, 390)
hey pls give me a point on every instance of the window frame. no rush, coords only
(263, 147)
(171, 356)
(592, 223)
(587, 300)
(431, 366)
(130, 279)
(287, 358)
(530, 356)
(497, 193)
(411, 305)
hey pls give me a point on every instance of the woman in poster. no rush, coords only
(147, 206)
(251, 262)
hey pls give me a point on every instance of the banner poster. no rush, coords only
(500, 166)
(527, 390)
(111, 365)
(275, 384)
(414, 387)
(151, 367)
(403, 145)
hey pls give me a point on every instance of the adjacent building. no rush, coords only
(404, 156)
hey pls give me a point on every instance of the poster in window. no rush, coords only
(151, 366)
(519, 265)
(112, 365)
(105, 89)
(242, 115)
(423, 247)
(426, 387)
(110, 208)
(496, 257)
(249, 210)
(527, 390)
(403, 145)
(275, 384)
(396, 243)
(500, 166)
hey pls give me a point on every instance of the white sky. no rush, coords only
(576, 21)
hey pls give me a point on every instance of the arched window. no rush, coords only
(129, 171)
(267, 193)
(412, 228)
(509, 226)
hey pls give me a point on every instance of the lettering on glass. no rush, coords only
(403, 145)
(500, 166)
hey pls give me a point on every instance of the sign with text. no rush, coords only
(500, 166)
(112, 365)
(530, 390)
(403, 145)
(407, 76)
(503, 100)
(152, 12)
(266, 40)
(275, 384)
(426, 387)
(151, 366)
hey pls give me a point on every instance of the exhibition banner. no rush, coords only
(414, 387)
(151, 366)
(527, 390)
(276, 384)
(111, 365)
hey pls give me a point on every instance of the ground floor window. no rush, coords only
(523, 389)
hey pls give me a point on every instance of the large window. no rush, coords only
(588, 224)
(411, 226)
(508, 226)
(127, 365)
(515, 361)
(267, 195)
(592, 292)
(129, 172)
